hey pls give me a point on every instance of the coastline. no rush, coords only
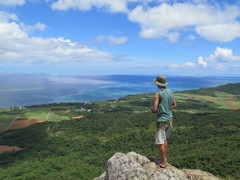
(27, 90)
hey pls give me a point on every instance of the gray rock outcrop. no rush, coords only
(194, 174)
(133, 166)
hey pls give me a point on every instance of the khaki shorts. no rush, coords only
(164, 130)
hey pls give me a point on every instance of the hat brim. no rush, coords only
(160, 84)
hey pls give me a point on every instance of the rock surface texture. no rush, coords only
(133, 166)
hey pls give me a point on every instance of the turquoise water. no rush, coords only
(24, 90)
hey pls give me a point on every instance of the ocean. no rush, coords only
(25, 90)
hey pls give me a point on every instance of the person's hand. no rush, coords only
(154, 111)
(174, 105)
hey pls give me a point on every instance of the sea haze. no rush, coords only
(25, 90)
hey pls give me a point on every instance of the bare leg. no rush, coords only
(163, 154)
(166, 145)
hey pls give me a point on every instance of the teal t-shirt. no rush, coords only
(164, 112)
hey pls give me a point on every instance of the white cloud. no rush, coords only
(173, 36)
(220, 67)
(214, 62)
(219, 32)
(210, 21)
(222, 55)
(109, 5)
(16, 45)
(5, 17)
(10, 31)
(236, 66)
(29, 28)
(187, 65)
(12, 2)
(174, 66)
(112, 39)
(84, 5)
(168, 18)
(202, 62)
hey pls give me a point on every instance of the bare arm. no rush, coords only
(155, 103)
(174, 105)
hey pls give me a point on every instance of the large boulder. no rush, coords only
(133, 166)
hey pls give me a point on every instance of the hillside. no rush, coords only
(228, 88)
(206, 135)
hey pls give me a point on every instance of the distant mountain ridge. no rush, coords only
(229, 88)
(232, 88)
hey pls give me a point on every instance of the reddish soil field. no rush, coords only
(229, 100)
(25, 123)
(213, 100)
(61, 111)
(234, 107)
(190, 98)
(4, 149)
(78, 117)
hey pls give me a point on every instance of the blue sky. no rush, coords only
(173, 37)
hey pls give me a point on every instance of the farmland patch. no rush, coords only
(4, 149)
(24, 123)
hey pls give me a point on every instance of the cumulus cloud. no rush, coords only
(112, 39)
(84, 5)
(207, 20)
(169, 18)
(9, 31)
(17, 45)
(108, 5)
(202, 62)
(214, 61)
(217, 32)
(220, 55)
(12, 2)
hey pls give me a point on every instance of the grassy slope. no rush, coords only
(80, 148)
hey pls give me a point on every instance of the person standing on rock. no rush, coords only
(164, 101)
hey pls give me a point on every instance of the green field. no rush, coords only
(7, 115)
(220, 100)
(55, 117)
